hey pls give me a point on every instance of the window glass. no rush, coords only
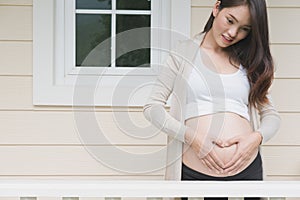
(92, 28)
(93, 4)
(141, 56)
(91, 31)
(134, 4)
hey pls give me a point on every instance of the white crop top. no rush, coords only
(209, 92)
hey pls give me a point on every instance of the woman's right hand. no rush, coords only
(203, 147)
(213, 162)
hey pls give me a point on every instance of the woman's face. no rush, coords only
(231, 25)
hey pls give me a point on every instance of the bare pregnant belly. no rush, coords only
(222, 126)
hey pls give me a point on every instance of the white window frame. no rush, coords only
(54, 79)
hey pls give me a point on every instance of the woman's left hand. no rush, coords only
(246, 146)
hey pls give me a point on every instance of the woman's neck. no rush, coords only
(210, 44)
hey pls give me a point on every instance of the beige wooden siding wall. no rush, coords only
(42, 142)
(281, 154)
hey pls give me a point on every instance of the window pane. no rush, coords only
(134, 4)
(141, 56)
(91, 31)
(93, 4)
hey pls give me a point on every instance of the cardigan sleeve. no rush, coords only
(154, 109)
(269, 120)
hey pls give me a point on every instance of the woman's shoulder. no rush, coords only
(243, 69)
(194, 41)
(187, 48)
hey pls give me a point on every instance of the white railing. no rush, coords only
(115, 190)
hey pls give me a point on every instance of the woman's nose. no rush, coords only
(233, 31)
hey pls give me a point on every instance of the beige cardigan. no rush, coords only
(171, 80)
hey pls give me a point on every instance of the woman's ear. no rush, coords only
(216, 8)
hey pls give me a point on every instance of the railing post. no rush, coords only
(112, 198)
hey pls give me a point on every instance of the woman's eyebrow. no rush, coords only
(233, 17)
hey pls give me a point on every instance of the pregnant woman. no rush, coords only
(221, 110)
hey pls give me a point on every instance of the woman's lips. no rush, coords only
(227, 39)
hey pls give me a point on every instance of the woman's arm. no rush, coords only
(247, 144)
(269, 120)
(154, 109)
(155, 112)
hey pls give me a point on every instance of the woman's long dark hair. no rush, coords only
(253, 52)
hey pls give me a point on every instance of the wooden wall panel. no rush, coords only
(202, 3)
(16, 93)
(16, 22)
(287, 62)
(286, 94)
(286, 3)
(282, 28)
(282, 178)
(199, 17)
(281, 160)
(16, 2)
(77, 161)
(60, 127)
(16, 58)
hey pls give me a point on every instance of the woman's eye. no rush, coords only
(246, 29)
(230, 21)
